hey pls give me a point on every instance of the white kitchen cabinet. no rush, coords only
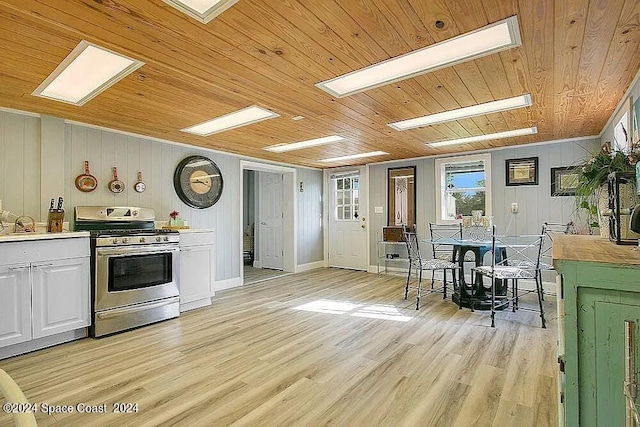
(60, 296)
(197, 261)
(15, 304)
(44, 293)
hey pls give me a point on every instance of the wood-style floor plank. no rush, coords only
(324, 347)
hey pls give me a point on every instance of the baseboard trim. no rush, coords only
(310, 266)
(220, 285)
(40, 343)
(195, 304)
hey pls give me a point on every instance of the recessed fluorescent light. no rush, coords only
(499, 135)
(243, 117)
(202, 10)
(493, 38)
(355, 156)
(466, 112)
(296, 118)
(84, 73)
(279, 148)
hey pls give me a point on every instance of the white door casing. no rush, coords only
(348, 219)
(271, 189)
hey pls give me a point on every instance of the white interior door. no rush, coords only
(348, 220)
(271, 215)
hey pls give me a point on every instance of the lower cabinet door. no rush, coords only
(60, 296)
(609, 349)
(15, 304)
(195, 273)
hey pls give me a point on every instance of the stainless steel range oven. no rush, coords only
(135, 268)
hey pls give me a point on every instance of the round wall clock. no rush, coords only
(198, 182)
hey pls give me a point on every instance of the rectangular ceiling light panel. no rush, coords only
(493, 38)
(239, 118)
(279, 148)
(202, 10)
(354, 156)
(487, 137)
(463, 113)
(87, 71)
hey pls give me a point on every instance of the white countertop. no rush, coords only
(19, 237)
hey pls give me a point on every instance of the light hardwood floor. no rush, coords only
(256, 275)
(259, 356)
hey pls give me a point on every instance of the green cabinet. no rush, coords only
(599, 294)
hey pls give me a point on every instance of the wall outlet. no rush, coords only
(514, 207)
(378, 209)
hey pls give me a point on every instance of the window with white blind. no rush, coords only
(464, 186)
(347, 197)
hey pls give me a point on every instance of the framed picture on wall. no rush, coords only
(564, 181)
(521, 171)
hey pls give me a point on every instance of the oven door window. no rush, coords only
(139, 271)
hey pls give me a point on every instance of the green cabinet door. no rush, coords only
(610, 355)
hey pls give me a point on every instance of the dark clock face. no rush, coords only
(198, 182)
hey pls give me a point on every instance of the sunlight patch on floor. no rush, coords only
(373, 311)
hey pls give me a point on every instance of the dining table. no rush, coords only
(474, 294)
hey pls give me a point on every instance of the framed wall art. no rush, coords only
(521, 171)
(564, 181)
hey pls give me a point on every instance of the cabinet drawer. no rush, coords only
(43, 250)
(196, 239)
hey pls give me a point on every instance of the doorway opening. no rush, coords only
(268, 218)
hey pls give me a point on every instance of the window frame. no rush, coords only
(440, 178)
(355, 207)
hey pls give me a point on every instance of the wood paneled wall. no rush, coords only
(624, 107)
(535, 202)
(20, 163)
(310, 221)
(157, 162)
(21, 170)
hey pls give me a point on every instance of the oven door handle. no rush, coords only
(137, 251)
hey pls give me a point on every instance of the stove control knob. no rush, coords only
(166, 238)
(115, 241)
(158, 239)
(134, 213)
(125, 240)
(142, 240)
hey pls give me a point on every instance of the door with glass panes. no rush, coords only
(348, 220)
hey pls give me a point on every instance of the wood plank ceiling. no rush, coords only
(577, 59)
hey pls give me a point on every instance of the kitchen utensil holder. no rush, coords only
(54, 221)
(20, 227)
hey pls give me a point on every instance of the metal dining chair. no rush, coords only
(550, 230)
(418, 264)
(522, 262)
(445, 251)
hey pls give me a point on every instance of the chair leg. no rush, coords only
(444, 283)
(540, 292)
(433, 276)
(419, 289)
(406, 288)
(493, 302)
(541, 288)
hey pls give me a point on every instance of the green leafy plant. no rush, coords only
(593, 176)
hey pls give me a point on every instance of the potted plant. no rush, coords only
(591, 192)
